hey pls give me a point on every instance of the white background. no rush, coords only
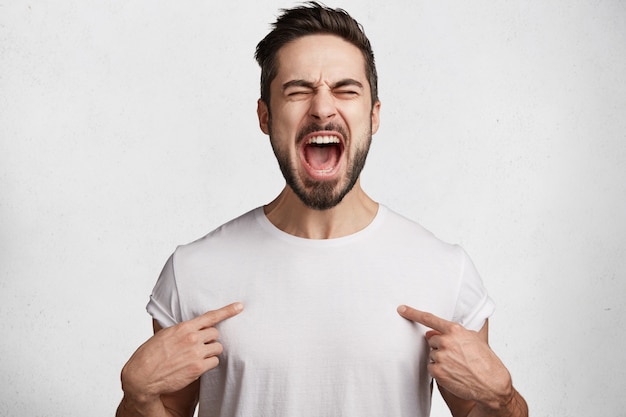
(128, 127)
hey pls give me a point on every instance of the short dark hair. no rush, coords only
(309, 19)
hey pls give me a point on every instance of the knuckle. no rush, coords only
(184, 327)
(197, 352)
(196, 368)
(456, 327)
(192, 338)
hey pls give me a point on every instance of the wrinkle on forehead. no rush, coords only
(321, 59)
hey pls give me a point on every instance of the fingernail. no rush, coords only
(401, 309)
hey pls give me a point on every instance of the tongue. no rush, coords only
(321, 158)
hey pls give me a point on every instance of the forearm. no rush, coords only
(148, 408)
(515, 406)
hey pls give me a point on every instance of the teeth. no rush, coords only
(323, 140)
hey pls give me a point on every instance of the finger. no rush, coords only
(433, 337)
(432, 333)
(211, 318)
(211, 363)
(427, 319)
(213, 349)
(208, 335)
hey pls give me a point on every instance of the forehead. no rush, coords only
(320, 58)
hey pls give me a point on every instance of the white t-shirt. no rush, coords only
(319, 335)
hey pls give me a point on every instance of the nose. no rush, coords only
(322, 105)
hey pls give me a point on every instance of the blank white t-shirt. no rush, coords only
(319, 335)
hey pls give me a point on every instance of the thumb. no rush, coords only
(432, 333)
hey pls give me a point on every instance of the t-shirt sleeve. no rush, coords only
(164, 305)
(473, 306)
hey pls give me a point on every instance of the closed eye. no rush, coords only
(348, 88)
(297, 88)
(294, 93)
(347, 93)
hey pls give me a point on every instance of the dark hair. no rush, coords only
(309, 19)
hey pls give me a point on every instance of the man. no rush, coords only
(321, 271)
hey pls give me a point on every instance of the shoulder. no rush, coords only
(407, 232)
(397, 220)
(228, 236)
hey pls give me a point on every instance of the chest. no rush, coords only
(320, 329)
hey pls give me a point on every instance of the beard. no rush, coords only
(322, 195)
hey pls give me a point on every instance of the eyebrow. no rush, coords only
(348, 82)
(309, 84)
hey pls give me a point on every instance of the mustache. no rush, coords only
(314, 127)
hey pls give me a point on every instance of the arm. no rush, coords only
(161, 379)
(178, 404)
(471, 378)
(508, 403)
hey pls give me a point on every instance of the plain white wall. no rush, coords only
(127, 128)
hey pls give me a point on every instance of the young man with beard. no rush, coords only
(321, 271)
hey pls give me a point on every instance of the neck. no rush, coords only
(354, 213)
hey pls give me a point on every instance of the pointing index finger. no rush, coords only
(427, 319)
(211, 318)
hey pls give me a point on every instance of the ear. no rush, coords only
(375, 117)
(263, 113)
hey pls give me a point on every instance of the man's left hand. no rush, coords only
(461, 360)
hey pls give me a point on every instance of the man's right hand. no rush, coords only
(175, 357)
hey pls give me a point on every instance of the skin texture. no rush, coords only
(472, 379)
(320, 89)
(160, 378)
(321, 81)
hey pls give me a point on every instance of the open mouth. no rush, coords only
(321, 154)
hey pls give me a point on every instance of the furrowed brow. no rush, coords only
(348, 82)
(298, 83)
(308, 84)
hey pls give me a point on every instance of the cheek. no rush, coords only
(359, 116)
(286, 124)
(359, 126)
